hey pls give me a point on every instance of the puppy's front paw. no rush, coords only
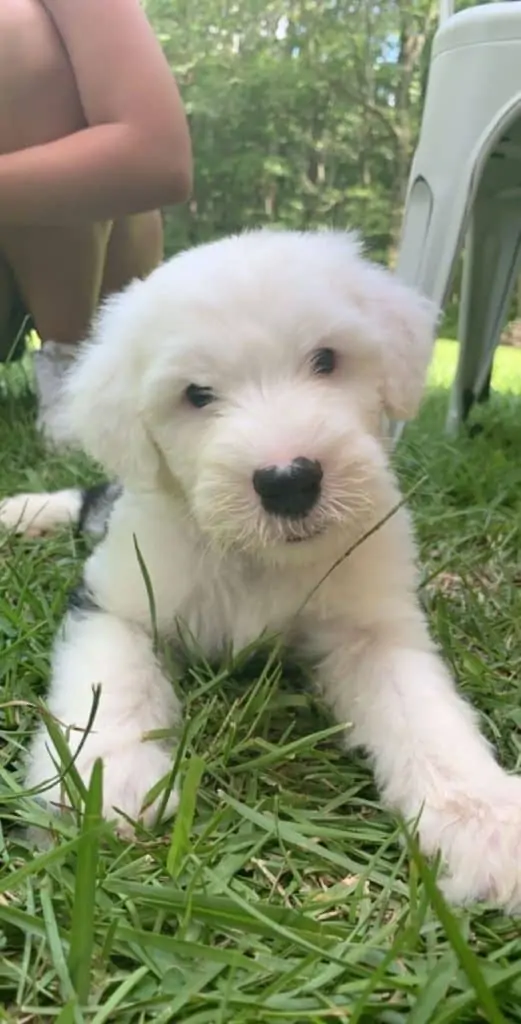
(35, 515)
(129, 773)
(128, 777)
(480, 841)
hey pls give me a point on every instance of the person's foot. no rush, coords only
(51, 363)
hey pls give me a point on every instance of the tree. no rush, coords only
(302, 112)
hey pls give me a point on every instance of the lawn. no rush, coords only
(283, 893)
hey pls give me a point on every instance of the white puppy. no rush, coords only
(239, 395)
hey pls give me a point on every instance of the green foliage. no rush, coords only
(303, 112)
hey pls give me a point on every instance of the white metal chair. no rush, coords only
(465, 185)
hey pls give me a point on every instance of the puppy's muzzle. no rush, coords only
(290, 491)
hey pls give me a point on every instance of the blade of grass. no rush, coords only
(435, 991)
(468, 960)
(57, 950)
(150, 594)
(119, 994)
(82, 936)
(225, 912)
(41, 863)
(180, 842)
(283, 753)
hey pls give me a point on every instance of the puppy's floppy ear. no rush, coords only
(406, 324)
(102, 408)
(400, 322)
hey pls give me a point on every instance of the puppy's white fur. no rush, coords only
(243, 317)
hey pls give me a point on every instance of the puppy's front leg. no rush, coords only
(99, 649)
(430, 758)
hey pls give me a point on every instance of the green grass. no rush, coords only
(283, 892)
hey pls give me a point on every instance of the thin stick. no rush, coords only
(361, 540)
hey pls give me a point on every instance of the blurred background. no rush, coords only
(302, 112)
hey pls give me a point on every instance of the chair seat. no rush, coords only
(486, 23)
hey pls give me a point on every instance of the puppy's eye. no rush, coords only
(324, 361)
(199, 397)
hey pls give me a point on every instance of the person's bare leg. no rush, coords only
(59, 272)
(81, 269)
(134, 249)
(12, 313)
(63, 273)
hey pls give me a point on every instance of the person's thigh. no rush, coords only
(63, 272)
(58, 271)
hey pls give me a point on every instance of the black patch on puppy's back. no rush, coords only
(96, 507)
(81, 600)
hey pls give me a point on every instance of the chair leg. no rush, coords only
(429, 246)
(431, 239)
(492, 263)
(484, 394)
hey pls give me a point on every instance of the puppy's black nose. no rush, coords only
(289, 490)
